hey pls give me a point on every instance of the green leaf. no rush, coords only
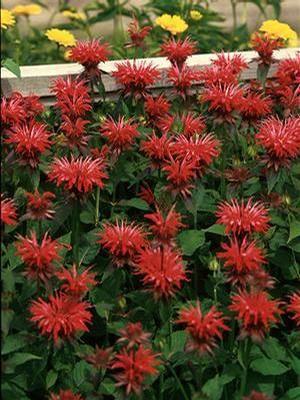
(51, 378)
(274, 349)
(178, 340)
(135, 202)
(12, 66)
(213, 388)
(190, 240)
(217, 229)
(19, 359)
(79, 372)
(266, 366)
(292, 394)
(294, 230)
(13, 343)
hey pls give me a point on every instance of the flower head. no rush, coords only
(254, 395)
(278, 29)
(133, 367)
(100, 357)
(172, 23)
(204, 330)
(162, 270)
(74, 15)
(294, 307)
(254, 106)
(122, 240)
(156, 107)
(8, 214)
(39, 258)
(65, 395)
(256, 312)
(60, 316)
(177, 51)
(7, 18)
(120, 134)
(138, 34)
(76, 284)
(192, 124)
(244, 218)
(288, 71)
(147, 194)
(196, 15)
(12, 111)
(265, 45)
(156, 148)
(79, 175)
(39, 206)
(61, 36)
(180, 175)
(133, 335)
(27, 10)
(235, 63)
(74, 129)
(182, 79)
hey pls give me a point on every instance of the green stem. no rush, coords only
(75, 231)
(180, 385)
(247, 348)
(97, 206)
(223, 165)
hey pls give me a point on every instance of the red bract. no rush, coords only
(138, 34)
(12, 111)
(192, 124)
(79, 175)
(76, 284)
(38, 258)
(265, 46)
(165, 227)
(241, 260)
(254, 395)
(281, 140)
(72, 97)
(288, 71)
(177, 51)
(294, 307)
(180, 174)
(120, 134)
(74, 129)
(100, 358)
(133, 335)
(39, 206)
(133, 367)
(256, 312)
(162, 270)
(156, 107)
(147, 195)
(243, 218)
(65, 395)
(156, 148)
(30, 140)
(135, 77)
(204, 330)
(122, 240)
(8, 214)
(89, 54)
(182, 79)
(254, 106)
(236, 63)
(60, 316)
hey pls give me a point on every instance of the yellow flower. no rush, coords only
(67, 54)
(30, 9)
(278, 29)
(7, 19)
(172, 23)
(61, 36)
(196, 15)
(74, 15)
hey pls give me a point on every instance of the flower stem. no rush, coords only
(97, 206)
(75, 231)
(180, 385)
(246, 353)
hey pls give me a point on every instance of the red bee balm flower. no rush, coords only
(255, 106)
(135, 77)
(74, 129)
(180, 173)
(8, 213)
(265, 46)
(241, 259)
(72, 97)
(133, 335)
(204, 330)
(243, 218)
(257, 396)
(162, 270)
(165, 228)
(288, 71)
(65, 395)
(256, 313)
(294, 307)
(61, 316)
(133, 368)
(100, 358)
(182, 79)
(177, 51)
(38, 258)
(138, 34)
(12, 111)
(281, 140)
(156, 148)
(39, 206)
(79, 175)
(235, 62)
(147, 194)
(30, 140)
(156, 107)
(123, 241)
(120, 134)
(31, 104)
(192, 124)
(76, 284)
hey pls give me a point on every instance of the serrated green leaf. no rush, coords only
(217, 229)
(12, 66)
(135, 202)
(13, 343)
(294, 230)
(190, 241)
(51, 378)
(267, 366)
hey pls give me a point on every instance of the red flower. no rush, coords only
(289, 99)
(65, 395)
(135, 77)
(259, 279)
(123, 240)
(182, 79)
(243, 218)
(192, 124)
(39, 206)
(79, 175)
(281, 140)
(147, 195)
(254, 106)
(294, 307)
(214, 75)
(133, 368)
(38, 258)
(265, 46)
(162, 270)
(237, 176)
(156, 107)
(12, 111)
(100, 358)
(8, 213)
(241, 259)
(256, 312)
(76, 285)
(74, 129)
(30, 140)
(138, 34)
(257, 396)
(61, 316)
(165, 228)
(180, 173)
(156, 148)
(177, 51)
(288, 71)
(72, 97)
(90, 54)
(133, 335)
(166, 123)
(31, 104)
(204, 330)
(120, 134)
(236, 63)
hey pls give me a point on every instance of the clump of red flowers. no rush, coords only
(65, 395)
(294, 307)
(76, 284)
(204, 329)
(177, 51)
(8, 214)
(60, 316)
(120, 134)
(40, 206)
